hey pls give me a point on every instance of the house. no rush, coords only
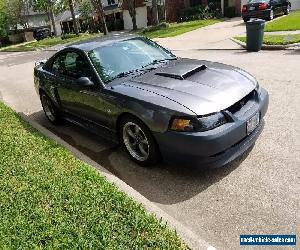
(143, 13)
(35, 19)
(31, 20)
(173, 6)
(64, 21)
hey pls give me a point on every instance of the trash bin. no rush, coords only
(255, 34)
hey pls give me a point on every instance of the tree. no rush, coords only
(86, 10)
(75, 23)
(46, 6)
(4, 25)
(50, 10)
(99, 7)
(154, 13)
(130, 5)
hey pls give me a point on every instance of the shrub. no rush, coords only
(200, 12)
(119, 24)
(160, 26)
(229, 12)
(68, 36)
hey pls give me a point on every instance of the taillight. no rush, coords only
(262, 6)
(244, 9)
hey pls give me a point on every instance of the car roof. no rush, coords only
(97, 42)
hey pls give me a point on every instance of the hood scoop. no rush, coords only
(182, 73)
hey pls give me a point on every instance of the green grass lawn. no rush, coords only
(48, 42)
(176, 29)
(277, 39)
(51, 200)
(287, 23)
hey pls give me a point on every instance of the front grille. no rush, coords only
(241, 103)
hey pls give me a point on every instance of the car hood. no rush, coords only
(201, 86)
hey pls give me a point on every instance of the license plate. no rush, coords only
(252, 123)
(252, 8)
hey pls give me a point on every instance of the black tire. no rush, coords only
(51, 112)
(287, 11)
(135, 153)
(246, 20)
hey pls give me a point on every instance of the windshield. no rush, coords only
(123, 57)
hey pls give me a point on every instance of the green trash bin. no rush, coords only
(255, 34)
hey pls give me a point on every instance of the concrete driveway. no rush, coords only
(257, 194)
(215, 37)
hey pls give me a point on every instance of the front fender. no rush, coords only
(154, 110)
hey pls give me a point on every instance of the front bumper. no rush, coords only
(217, 147)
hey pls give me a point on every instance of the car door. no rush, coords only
(92, 103)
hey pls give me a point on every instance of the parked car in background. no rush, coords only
(265, 9)
(155, 104)
(41, 34)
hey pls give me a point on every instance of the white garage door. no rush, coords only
(295, 4)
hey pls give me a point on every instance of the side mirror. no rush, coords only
(84, 81)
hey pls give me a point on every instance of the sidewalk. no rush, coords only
(291, 32)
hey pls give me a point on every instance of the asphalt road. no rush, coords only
(257, 194)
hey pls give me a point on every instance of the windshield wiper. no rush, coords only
(123, 74)
(144, 68)
(159, 61)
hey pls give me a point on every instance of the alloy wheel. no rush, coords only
(136, 141)
(271, 15)
(48, 108)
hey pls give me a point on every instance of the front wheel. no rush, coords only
(138, 141)
(50, 110)
(246, 20)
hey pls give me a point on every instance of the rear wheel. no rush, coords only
(288, 10)
(50, 110)
(138, 141)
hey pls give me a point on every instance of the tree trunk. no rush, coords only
(155, 20)
(75, 23)
(99, 7)
(134, 25)
(132, 13)
(51, 15)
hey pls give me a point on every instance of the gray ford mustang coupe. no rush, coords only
(159, 106)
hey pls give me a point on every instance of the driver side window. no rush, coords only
(71, 64)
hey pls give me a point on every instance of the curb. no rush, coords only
(268, 47)
(190, 238)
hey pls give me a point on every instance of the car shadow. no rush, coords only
(164, 183)
(293, 51)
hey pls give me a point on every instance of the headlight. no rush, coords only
(199, 124)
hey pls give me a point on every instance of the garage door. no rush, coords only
(295, 4)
